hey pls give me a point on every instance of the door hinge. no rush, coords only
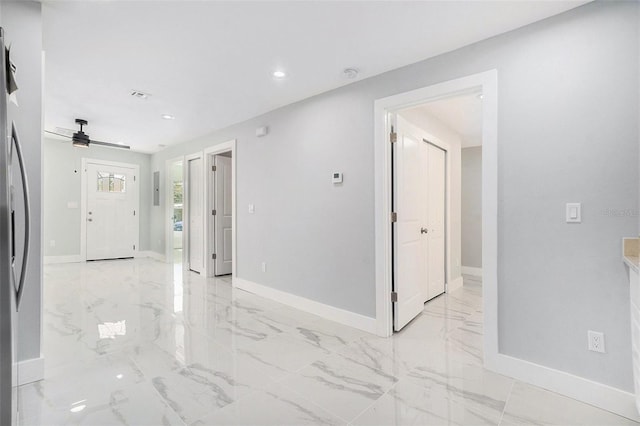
(134, 246)
(213, 256)
(134, 178)
(393, 137)
(214, 168)
(394, 296)
(134, 212)
(213, 212)
(394, 217)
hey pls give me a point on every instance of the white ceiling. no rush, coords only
(462, 114)
(210, 63)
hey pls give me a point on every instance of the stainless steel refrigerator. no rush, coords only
(12, 275)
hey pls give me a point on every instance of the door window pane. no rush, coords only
(111, 182)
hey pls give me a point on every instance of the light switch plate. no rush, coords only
(252, 208)
(574, 212)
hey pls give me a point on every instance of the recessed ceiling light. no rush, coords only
(279, 74)
(168, 117)
(351, 73)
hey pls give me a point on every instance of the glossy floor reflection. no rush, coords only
(139, 342)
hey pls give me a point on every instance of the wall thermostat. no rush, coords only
(336, 177)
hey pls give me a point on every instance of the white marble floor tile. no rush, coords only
(531, 405)
(341, 385)
(141, 342)
(276, 406)
(132, 405)
(409, 404)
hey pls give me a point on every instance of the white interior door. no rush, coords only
(410, 204)
(112, 221)
(195, 211)
(223, 218)
(436, 216)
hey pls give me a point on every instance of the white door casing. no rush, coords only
(195, 217)
(436, 219)
(110, 210)
(409, 203)
(223, 219)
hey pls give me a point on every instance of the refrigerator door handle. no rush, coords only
(27, 213)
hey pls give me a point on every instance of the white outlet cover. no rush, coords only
(252, 208)
(596, 341)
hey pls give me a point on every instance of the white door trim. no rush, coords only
(83, 201)
(168, 209)
(186, 213)
(229, 146)
(487, 82)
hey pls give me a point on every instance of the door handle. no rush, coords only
(89, 220)
(424, 230)
(27, 214)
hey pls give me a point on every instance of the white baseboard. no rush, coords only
(593, 393)
(31, 371)
(455, 284)
(470, 270)
(50, 260)
(331, 313)
(151, 254)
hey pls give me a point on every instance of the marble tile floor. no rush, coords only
(140, 342)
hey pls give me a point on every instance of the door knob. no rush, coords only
(89, 220)
(424, 230)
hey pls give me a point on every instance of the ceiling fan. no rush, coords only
(81, 139)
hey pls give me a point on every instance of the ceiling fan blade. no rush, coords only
(111, 145)
(57, 134)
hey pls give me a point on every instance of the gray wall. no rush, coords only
(568, 110)
(23, 25)
(62, 177)
(472, 207)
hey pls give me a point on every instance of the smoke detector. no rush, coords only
(140, 95)
(350, 73)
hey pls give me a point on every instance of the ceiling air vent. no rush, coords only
(140, 95)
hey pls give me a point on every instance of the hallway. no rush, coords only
(141, 342)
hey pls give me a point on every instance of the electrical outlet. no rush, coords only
(596, 341)
(264, 266)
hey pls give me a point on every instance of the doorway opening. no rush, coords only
(195, 213)
(110, 208)
(401, 243)
(175, 210)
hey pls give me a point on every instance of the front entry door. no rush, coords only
(112, 219)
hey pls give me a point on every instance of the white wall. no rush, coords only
(23, 25)
(441, 131)
(472, 207)
(567, 131)
(62, 177)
